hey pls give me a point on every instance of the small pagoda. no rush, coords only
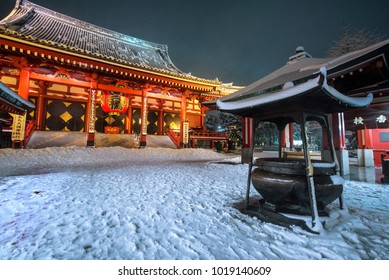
(306, 89)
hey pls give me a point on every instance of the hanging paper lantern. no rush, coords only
(114, 102)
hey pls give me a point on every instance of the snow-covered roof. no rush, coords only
(314, 95)
(301, 68)
(36, 24)
(13, 100)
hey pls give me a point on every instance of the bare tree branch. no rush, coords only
(353, 39)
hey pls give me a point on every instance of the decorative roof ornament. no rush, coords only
(300, 54)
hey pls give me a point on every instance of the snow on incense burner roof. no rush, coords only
(33, 23)
(314, 95)
(302, 85)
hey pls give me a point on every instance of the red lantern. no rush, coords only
(114, 102)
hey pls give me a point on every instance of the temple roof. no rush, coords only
(302, 67)
(12, 101)
(314, 96)
(33, 23)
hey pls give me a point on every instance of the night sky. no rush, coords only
(236, 41)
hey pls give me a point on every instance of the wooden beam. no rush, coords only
(47, 78)
(87, 62)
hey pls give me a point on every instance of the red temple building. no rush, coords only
(81, 77)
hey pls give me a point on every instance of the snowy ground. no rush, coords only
(159, 203)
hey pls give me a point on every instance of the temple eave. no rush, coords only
(314, 95)
(42, 28)
(91, 62)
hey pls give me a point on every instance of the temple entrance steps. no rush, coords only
(160, 141)
(43, 139)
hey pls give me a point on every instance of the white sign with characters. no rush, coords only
(18, 127)
(185, 132)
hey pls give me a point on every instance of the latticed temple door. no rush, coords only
(65, 116)
(152, 122)
(171, 120)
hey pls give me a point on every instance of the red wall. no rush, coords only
(379, 146)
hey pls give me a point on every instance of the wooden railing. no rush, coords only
(196, 136)
(174, 135)
(30, 128)
(210, 136)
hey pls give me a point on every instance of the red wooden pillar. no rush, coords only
(365, 148)
(365, 139)
(91, 114)
(287, 137)
(182, 118)
(339, 132)
(40, 106)
(160, 117)
(24, 82)
(203, 113)
(202, 116)
(143, 114)
(283, 139)
(160, 122)
(129, 116)
(40, 113)
(247, 139)
(339, 139)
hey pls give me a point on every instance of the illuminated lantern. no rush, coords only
(115, 102)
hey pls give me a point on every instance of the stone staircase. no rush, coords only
(43, 139)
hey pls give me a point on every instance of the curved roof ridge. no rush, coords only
(34, 23)
(312, 95)
(14, 13)
(25, 6)
(304, 69)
